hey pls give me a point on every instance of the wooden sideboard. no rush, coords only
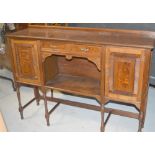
(108, 65)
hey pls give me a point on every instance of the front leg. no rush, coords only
(46, 107)
(102, 118)
(140, 121)
(36, 94)
(19, 100)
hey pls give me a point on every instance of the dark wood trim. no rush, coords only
(29, 103)
(52, 110)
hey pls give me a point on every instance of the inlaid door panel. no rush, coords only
(124, 70)
(124, 74)
(26, 62)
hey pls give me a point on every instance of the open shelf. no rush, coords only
(77, 76)
(75, 84)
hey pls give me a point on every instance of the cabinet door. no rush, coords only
(25, 59)
(124, 74)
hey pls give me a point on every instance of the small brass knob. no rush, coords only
(85, 49)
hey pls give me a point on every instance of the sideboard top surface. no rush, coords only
(131, 38)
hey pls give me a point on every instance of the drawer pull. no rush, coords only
(84, 49)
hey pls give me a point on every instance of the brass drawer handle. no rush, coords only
(84, 49)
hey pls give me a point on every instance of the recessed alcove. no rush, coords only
(74, 75)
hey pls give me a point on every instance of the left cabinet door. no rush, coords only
(26, 61)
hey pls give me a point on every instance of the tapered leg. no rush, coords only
(144, 115)
(46, 107)
(13, 85)
(36, 94)
(143, 120)
(19, 100)
(140, 126)
(140, 122)
(102, 118)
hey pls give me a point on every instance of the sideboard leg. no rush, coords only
(140, 122)
(102, 118)
(144, 114)
(13, 85)
(19, 100)
(36, 94)
(143, 119)
(46, 108)
(140, 126)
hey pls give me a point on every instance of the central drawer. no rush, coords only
(70, 48)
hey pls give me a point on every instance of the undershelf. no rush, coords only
(75, 84)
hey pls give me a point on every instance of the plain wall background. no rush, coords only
(137, 26)
(134, 26)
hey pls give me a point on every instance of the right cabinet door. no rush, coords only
(124, 68)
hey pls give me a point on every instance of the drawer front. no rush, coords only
(91, 52)
(61, 47)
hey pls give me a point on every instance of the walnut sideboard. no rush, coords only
(108, 65)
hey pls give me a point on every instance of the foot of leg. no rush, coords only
(47, 120)
(19, 100)
(21, 112)
(140, 126)
(141, 123)
(36, 94)
(46, 108)
(102, 129)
